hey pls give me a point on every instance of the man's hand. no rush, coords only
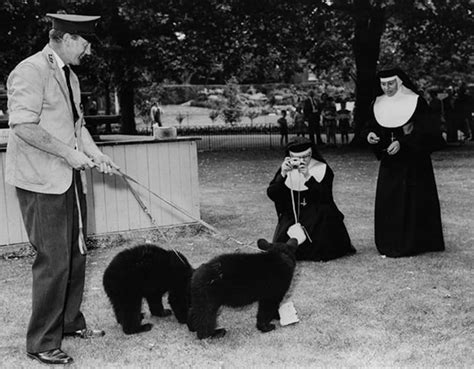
(78, 160)
(104, 164)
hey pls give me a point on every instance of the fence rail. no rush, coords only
(267, 136)
(212, 137)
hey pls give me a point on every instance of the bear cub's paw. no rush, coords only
(163, 313)
(219, 333)
(143, 328)
(265, 327)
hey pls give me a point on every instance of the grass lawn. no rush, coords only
(363, 311)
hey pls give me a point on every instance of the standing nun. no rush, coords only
(407, 211)
(302, 193)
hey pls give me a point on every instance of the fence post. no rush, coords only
(209, 137)
(270, 130)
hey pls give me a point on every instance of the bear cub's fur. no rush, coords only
(238, 280)
(147, 272)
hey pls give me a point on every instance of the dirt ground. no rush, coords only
(363, 311)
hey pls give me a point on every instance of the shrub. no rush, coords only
(205, 104)
(180, 117)
(227, 129)
(252, 114)
(213, 114)
(232, 111)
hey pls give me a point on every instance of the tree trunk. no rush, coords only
(108, 110)
(108, 105)
(126, 97)
(369, 26)
(123, 64)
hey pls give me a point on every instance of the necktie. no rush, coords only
(67, 72)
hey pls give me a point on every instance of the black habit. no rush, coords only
(318, 214)
(407, 210)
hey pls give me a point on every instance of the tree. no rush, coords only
(23, 31)
(424, 37)
(208, 41)
(432, 39)
(232, 112)
(369, 22)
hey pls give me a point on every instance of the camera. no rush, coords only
(295, 163)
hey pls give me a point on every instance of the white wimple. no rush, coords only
(394, 111)
(295, 180)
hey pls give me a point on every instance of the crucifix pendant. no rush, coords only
(392, 137)
(304, 203)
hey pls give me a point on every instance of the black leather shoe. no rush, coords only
(51, 357)
(85, 333)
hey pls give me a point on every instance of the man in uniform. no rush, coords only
(47, 150)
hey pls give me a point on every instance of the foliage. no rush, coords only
(252, 114)
(180, 117)
(416, 35)
(232, 112)
(184, 41)
(23, 31)
(145, 96)
(227, 129)
(433, 40)
(214, 114)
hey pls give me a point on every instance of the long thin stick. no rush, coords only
(208, 226)
(144, 207)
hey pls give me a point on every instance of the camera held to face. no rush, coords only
(295, 163)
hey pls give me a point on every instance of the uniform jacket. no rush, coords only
(38, 93)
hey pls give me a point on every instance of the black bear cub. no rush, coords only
(239, 280)
(147, 271)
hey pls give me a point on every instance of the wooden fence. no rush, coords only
(168, 168)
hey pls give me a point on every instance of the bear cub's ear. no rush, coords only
(263, 244)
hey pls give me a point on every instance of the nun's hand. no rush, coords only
(286, 167)
(393, 148)
(372, 138)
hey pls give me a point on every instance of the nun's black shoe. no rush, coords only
(51, 357)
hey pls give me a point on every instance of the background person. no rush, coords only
(48, 146)
(300, 126)
(344, 122)
(463, 105)
(436, 112)
(93, 109)
(155, 114)
(329, 120)
(304, 192)
(311, 111)
(283, 124)
(407, 210)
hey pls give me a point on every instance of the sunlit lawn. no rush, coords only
(357, 312)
